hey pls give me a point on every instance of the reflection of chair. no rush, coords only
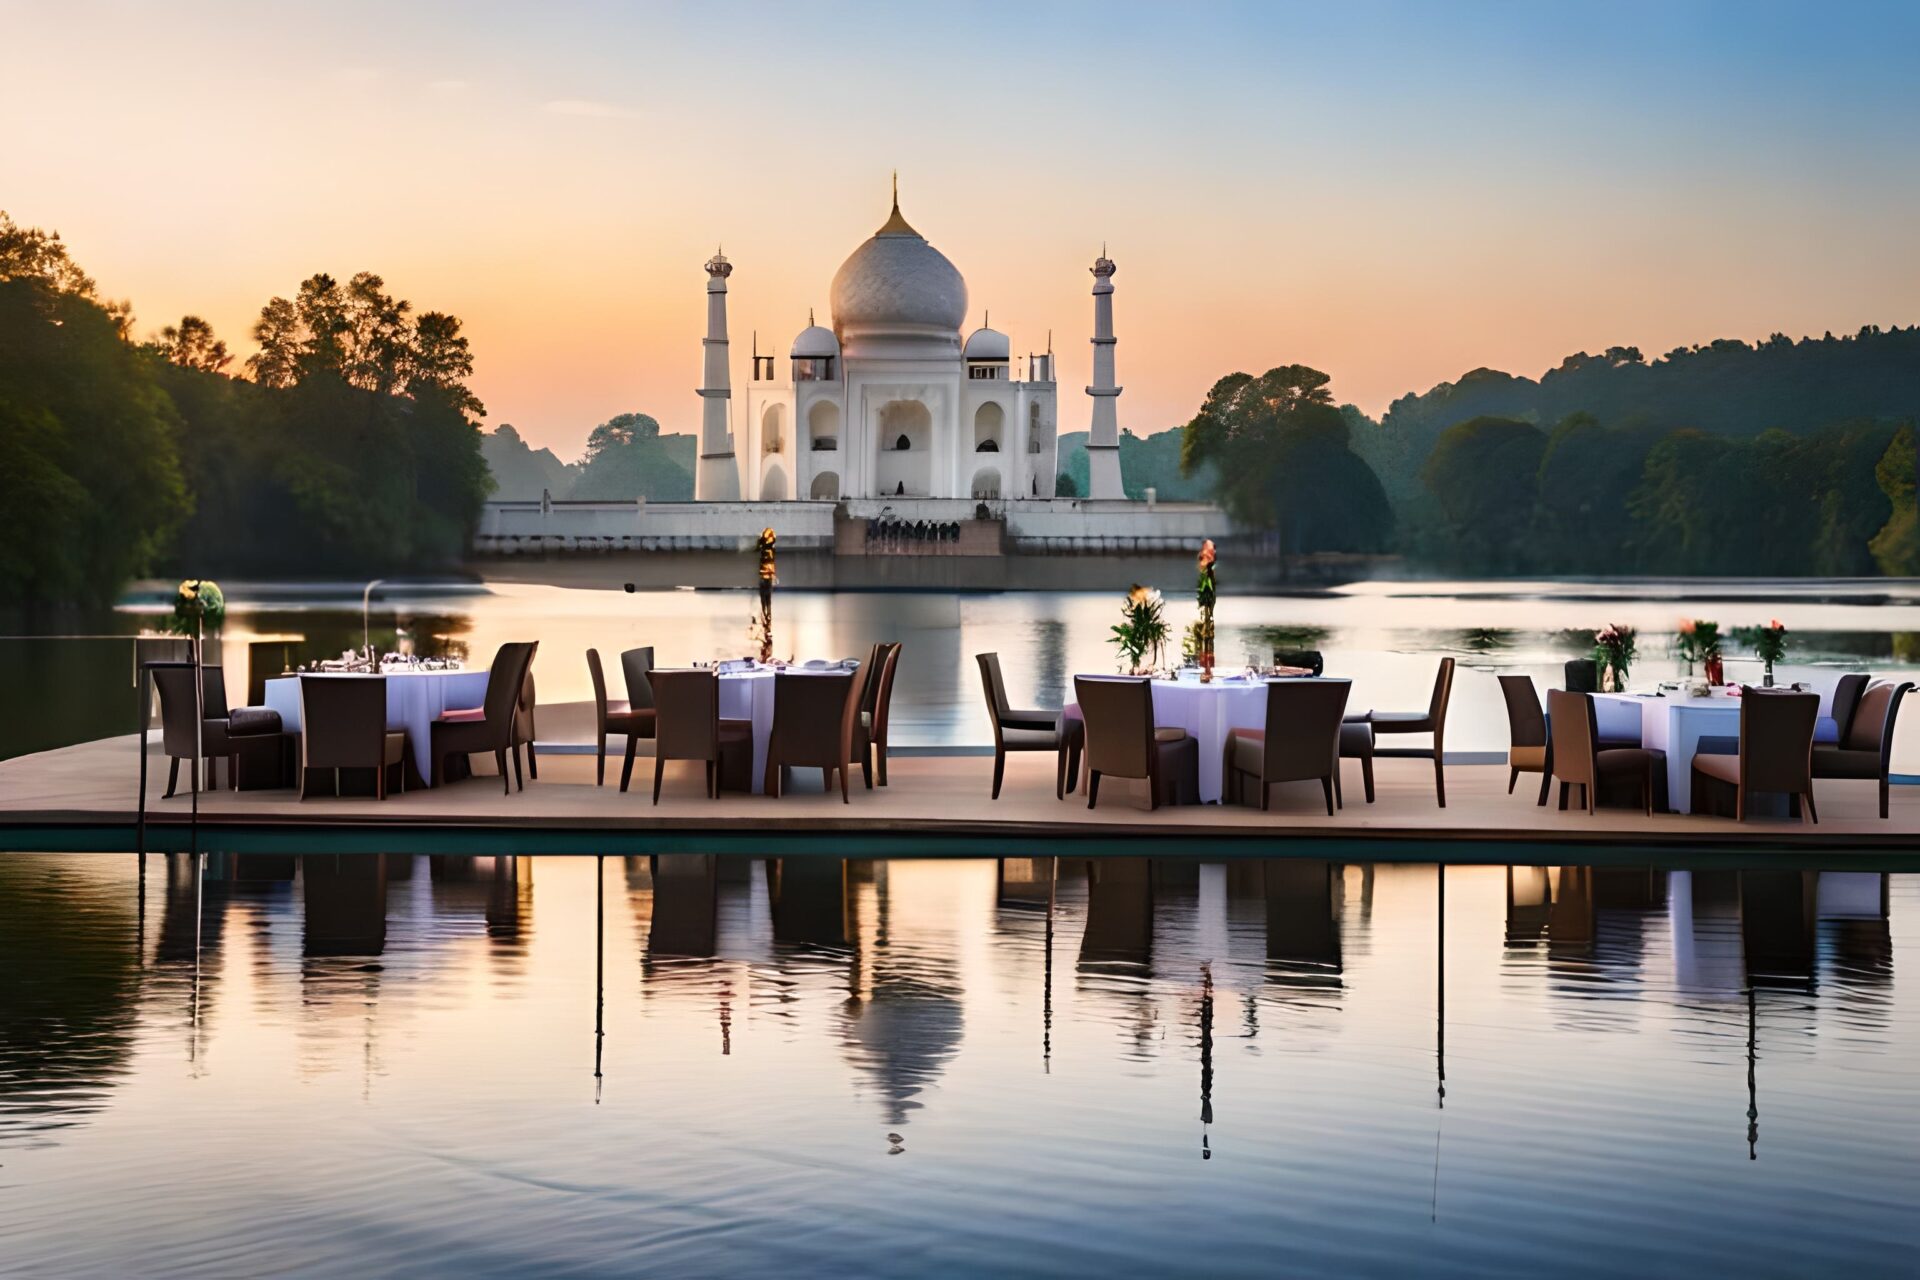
(343, 725)
(1865, 749)
(1528, 750)
(813, 720)
(687, 726)
(488, 727)
(1578, 759)
(615, 717)
(1122, 742)
(1433, 720)
(1776, 750)
(1028, 731)
(1300, 743)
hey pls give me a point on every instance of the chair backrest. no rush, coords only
(874, 659)
(813, 717)
(599, 690)
(343, 721)
(634, 665)
(1776, 740)
(1846, 701)
(1526, 723)
(1583, 675)
(1871, 727)
(1311, 659)
(1119, 719)
(879, 698)
(524, 708)
(687, 714)
(1303, 727)
(1442, 694)
(997, 705)
(1575, 737)
(175, 685)
(505, 679)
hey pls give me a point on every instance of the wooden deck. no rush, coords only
(84, 797)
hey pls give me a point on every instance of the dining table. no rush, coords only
(1674, 721)
(1208, 711)
(415, 699)
(746, 693)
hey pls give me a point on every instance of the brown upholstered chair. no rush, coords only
(1299, 743)
(870, 730)
(1846, 700)
(1122, 741)
(488, 727)
(1433, 720)
(1528, 750)
(813, 722)
(618, 718)
(1027, 731)
(635, 664)
(687, 726)
(1865, 749)
(1577, 758)
(343, 725)
(523, 730)
(175, 685)
(1776, 750)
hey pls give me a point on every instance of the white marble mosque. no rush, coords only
(891, 401)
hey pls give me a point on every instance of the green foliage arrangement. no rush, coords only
(1614, 649)
(1698, 640)
(198, 606)
(1769, 643)
(1141, 634)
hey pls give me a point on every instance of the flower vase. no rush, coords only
(1716, 670)
(1767, 678)
(1613, 679)
(1206, 667)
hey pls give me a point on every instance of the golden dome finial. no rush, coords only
(896, 225)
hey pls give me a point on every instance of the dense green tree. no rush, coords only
(627, 458)
(191, 345)
(1485, 474)
(1896, 547)
(522, 472)
(1282, 457)
(1146, 462)
(1588, 472)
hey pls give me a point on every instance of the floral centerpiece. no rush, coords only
(1699, 641)
(1769, 644)
(1141, 634)
(199, 606)
(760, 627)
(1204, 593)
(1613, 652)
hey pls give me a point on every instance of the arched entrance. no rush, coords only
(989, 421)
(903, 465)
(826, 486)
(823, 427)
(774, 487)
(986, 483)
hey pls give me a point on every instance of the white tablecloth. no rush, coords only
(415, 700)
(748, 695)
(1208, 712)
(1675, 724)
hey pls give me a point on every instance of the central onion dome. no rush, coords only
(898, 284)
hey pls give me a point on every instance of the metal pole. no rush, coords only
(199, 745)
(140, 808)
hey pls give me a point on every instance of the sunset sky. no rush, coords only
(1391, 193)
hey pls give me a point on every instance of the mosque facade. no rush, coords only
(890, 400)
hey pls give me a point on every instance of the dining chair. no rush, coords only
(813, 720)
(1123, 742)
(1846, 700)
(1583, 675)
(634, 666)
(523, 729)
(1865, 749)
(343, 725)
(1776, 750)
(1300, 740)
(1028, 731)
(488, 727)
(1579, 760)
(870, 730)
(177, 708)
(1433, 720)
(1528, 750)
(687, 726)
(617, 718)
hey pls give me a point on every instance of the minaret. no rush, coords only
(1103, 433)
(716, 475)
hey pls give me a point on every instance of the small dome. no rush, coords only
(816, 342)
(987, 344)
(897, 279)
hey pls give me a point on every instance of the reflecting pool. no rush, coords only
(699, 1065)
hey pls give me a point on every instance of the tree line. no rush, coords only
(352, 446)
(1800, 462)
(626, 458)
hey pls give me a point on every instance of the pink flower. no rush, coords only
(1206, 553)
(1686, 626)
(1774, 624)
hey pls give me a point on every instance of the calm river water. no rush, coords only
(806, 1066)
(1386, 635)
